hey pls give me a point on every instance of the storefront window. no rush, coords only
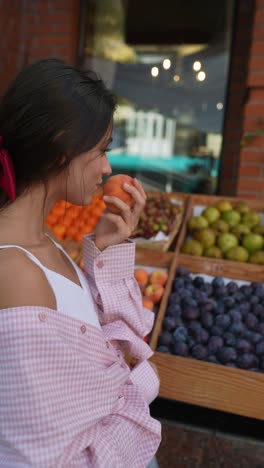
(168, 63)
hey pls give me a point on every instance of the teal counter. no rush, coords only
(177, 163)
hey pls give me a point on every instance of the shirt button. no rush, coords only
(108, 344)
(100, 264)
(83, 329)
(42, 316)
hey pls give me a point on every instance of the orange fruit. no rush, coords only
(51, 219)
(59, 231)
(78, 236)
(70, 232)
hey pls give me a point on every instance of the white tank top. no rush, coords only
(73, 300)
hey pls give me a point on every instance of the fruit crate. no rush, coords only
(203, 383)
(198, 202)
(151, 260)
(154, 261)
(167, 244)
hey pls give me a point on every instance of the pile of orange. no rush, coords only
(71, 222)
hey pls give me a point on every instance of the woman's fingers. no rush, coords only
(139, 186)
(137, 195)
(129, 215)
(115, 228)
(122, 206)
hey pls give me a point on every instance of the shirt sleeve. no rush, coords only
(61, 407)
(121, 313)
(118, 296)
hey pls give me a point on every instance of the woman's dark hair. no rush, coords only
(51, 113)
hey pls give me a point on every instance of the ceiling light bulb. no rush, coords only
(166, 64)
(201, 76)
(176, 77)
(197, 65)
(154, 72)
(219, 105)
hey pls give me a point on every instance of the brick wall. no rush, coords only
(236, 97)
(251, 165)
(10, 27)
(35, 29)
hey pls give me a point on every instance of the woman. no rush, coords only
(67, 396)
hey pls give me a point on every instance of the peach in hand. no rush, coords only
(158, 277)
(114, 187)
(154, 292)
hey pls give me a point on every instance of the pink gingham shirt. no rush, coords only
(67, 397)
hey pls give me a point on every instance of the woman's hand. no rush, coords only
(116, 228)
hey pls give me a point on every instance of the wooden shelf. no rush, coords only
(201, 383)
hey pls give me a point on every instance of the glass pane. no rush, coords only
(168, 63)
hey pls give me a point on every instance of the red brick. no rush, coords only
(251, 155)
(256, 63)
(41, 54)
(65, 28)
(58, 6)
(54, 40)
(251, 170)
(259, 3)
(59, 17)
(251, 124)
(256, 95)
(259, 16)
(258, 33)
(255, 79)
(40, 29)
(256, 142)
(253, 109)
(257, 48)
(251, 184)
(246, 194)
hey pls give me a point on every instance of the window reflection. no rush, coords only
(169, 69)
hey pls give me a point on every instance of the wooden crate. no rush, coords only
(165, 245)
(154, 259)
(208, 200)
(202, 383)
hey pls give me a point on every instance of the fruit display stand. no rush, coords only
(187, 379)
(202, 383)
(154, 259)
(197, 203)
(178, 202)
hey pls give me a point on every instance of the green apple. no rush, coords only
(226, 241)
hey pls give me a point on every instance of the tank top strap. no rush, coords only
(76, 268)
(27, 252)
(54, 242)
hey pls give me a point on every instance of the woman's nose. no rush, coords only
(106, 169)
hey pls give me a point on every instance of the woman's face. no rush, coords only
(86, 171)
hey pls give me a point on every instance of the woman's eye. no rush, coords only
(106, 150)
